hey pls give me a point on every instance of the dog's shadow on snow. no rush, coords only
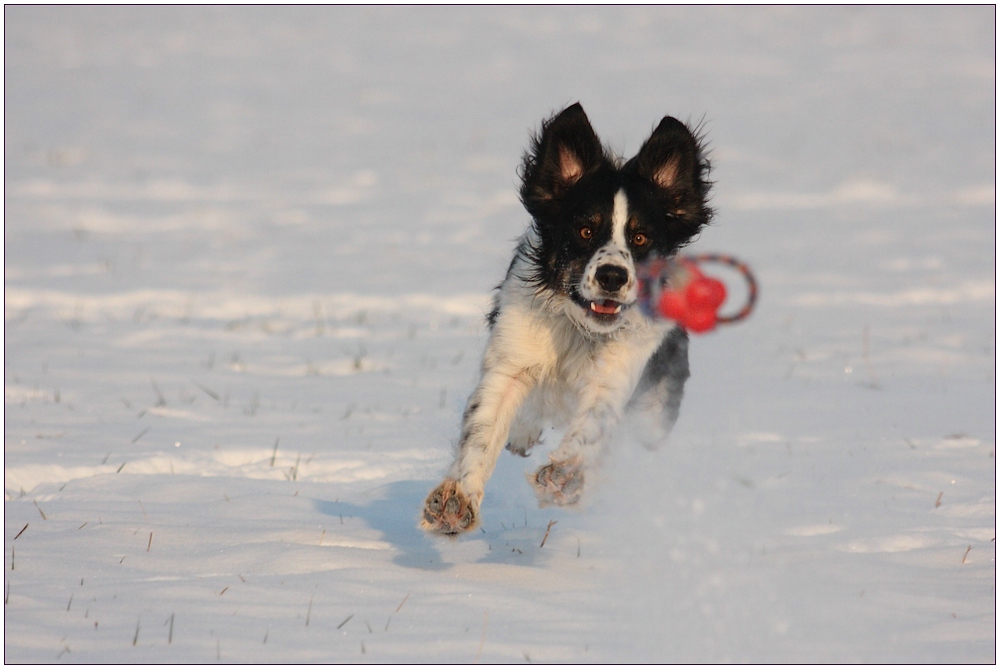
(513, 525)
(395, 516)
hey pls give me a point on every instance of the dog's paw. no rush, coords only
(449, 511)
(522, 448)
(559, 483)
(521, 442)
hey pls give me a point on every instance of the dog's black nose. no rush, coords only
(611, 277)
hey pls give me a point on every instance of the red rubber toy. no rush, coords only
(677, 289)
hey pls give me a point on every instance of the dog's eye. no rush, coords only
(640, 239)
(586, 233)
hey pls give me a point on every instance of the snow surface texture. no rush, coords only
(248, 256)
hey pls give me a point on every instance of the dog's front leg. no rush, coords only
(453, 507)
(519, 353)
(602, 394)
(561, 481)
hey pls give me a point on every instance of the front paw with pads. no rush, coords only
(449, 511)
(559, 483)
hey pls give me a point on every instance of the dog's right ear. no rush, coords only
(566, 149)
(672, 160)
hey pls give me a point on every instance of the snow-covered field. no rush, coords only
(248, 252)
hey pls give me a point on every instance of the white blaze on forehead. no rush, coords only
(619, 218)
(616, 253)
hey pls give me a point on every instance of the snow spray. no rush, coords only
(677, 289)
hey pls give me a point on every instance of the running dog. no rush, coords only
(569, 346)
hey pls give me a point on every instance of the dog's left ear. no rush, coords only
(566, 150)
(672, 160)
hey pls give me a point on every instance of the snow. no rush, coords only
(248, 252)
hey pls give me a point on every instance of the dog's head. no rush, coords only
(595, 217)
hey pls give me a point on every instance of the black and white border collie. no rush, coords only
(569, 345)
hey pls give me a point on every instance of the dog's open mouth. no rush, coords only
(604, 311)
(606, 307)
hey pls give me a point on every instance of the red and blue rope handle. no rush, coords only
(740, 267)
(656, 272)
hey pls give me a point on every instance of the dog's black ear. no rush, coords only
(672, 160)
(566, 149)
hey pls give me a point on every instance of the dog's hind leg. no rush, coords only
(526, 430)
(656, 403)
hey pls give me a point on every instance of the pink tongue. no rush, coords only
(606, 309)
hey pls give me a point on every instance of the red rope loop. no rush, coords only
(740, 267)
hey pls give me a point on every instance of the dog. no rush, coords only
(568, 344)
